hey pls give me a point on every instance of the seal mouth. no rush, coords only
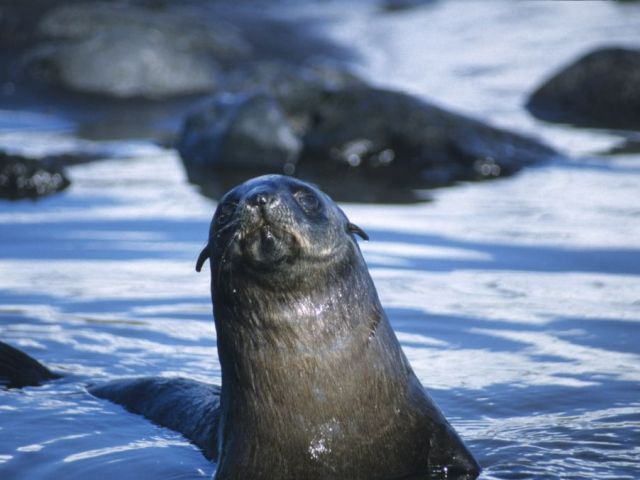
(266, 245)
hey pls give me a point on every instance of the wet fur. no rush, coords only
(314, 382)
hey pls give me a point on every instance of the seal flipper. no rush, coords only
(17, 369)
(448, 455)
(186, 406)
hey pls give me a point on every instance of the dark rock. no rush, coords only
(601, 89)
(403, 141)
(247, 131)
(296, 88)
(628, 146)
(257, 127)
(402, 5)
(131, 68)
(125, 51)
(22, 177)
(359, 144)
(102, 65)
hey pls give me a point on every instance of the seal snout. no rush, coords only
(261, 209)
(265, 239)
(261, 199)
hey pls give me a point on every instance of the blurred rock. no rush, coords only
(296, 88)
(601, 89)
(124, 50)
(102, 65)
(134, 68)
(402, 5)
(239, 131)
(628, 146)
(22, 177)
(410, 142)
(259, 122)
(359, 143)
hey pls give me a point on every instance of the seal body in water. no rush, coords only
(314, 382)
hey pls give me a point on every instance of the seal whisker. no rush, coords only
(223, 257)
(232, 224)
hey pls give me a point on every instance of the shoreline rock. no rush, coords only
(131, 68)
(628, 146)
(359, 143)
(282, 100)
(129, 51)
(22, 178)
(229, 132)
(600, 89)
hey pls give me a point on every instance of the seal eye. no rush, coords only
(225, 212)
(308, 200)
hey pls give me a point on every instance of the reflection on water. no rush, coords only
(517, 302)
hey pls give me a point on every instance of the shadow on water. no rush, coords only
(123, 239)
(101, 239)
(530, 258)
(608, 333)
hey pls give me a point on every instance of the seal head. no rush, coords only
(276, 223)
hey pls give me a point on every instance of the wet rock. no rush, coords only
(358, 143)
(296, 88)
(244, 131)
(628, 146)
(101, 65)
(133, 68)
(124, 50)
(601, 89)
(402, 5)
(404, 141)
(22, 177)
(259, 121)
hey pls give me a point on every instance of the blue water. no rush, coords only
(517, 301)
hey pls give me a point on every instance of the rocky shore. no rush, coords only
(240, 92)
(600, 89)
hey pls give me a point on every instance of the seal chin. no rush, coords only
(267, 247)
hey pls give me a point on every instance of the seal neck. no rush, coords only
(309, 366)
(323, 312)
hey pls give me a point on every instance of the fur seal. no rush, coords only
(314, 382)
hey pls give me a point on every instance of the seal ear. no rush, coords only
(353, 228)
(204, 254)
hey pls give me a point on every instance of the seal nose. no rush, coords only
(261, 198)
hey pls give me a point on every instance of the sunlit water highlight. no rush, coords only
(517, 301)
